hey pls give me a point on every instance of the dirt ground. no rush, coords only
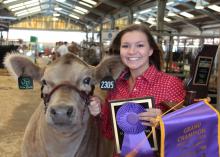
(15, 111)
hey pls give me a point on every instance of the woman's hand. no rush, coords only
(149, 118)
(95, 105)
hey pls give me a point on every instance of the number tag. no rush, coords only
(107, 83)
(25, 82)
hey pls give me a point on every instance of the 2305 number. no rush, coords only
(107, 85)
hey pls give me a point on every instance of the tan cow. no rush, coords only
(62, 126)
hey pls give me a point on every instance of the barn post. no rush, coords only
(161, 5)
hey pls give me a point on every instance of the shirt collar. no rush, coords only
(148, 75)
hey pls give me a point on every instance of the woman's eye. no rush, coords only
(140, 45)
(124, 46)
(87, 81)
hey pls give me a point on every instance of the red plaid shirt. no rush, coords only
(161, 86)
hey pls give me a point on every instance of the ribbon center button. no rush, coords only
(132, 118)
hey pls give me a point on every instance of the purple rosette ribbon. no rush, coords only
(135, 140)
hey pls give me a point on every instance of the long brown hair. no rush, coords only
(155, 59)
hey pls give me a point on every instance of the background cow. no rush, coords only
(61, 126)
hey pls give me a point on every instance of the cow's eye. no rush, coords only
(87, 80)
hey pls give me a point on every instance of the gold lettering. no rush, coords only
(203, 147)
(192, 127)
(191, 134)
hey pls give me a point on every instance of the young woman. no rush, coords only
(142, 77)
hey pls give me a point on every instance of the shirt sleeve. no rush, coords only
(175, 90)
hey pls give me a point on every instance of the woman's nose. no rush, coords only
(131, 50)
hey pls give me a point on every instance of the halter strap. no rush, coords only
(83, 94)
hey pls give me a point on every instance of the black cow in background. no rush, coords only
(5, 49)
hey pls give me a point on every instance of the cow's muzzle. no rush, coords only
(61, 115)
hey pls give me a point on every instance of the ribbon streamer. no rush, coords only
(135, 140)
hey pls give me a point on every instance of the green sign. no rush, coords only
(25, 82)
(33, 39)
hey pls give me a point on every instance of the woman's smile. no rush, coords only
(133, 58)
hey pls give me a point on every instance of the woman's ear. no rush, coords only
(151, 52)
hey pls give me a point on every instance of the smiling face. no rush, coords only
(135, 51)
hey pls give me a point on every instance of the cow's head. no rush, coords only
(66, 86)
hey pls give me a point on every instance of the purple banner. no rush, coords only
(192, 131)
(135, 141)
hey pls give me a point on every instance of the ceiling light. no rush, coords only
(199, 4)
(8, 17)
(55, 19)
(34, 8)
(187, 14)
(57, 8)
(74, 16)
(34, 11)
(145, 11)
(28, 11)
(78, 11)
(214, 7)
(169, 3)
(21, 12)
(18, 8)
(135, 14)
(61, 1)
(167, 19)
(81, 9)
(90, 6)
(44, 6)
(151, 20)
(141, 18)
(90, 2)
(16, 5)
(56, 14)
(31, 2)
(137, 22)
(8, 1)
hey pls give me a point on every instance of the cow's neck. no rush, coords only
(65, 145)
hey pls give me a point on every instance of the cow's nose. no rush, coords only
(61, 114)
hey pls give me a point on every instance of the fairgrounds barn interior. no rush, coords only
(187, 31)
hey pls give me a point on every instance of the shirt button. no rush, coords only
(135, 89)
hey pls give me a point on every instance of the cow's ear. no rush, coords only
(19, 65)
(109, 66)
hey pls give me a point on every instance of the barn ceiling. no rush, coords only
(177, 13)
